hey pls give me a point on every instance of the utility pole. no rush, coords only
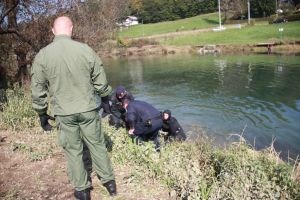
(220, 23)
(248, 3)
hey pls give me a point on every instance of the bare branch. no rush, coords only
(9, 10)
(8, 31)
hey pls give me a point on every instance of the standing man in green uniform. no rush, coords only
(72, 74)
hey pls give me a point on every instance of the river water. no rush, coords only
(257, 96)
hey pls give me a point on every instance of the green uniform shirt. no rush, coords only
(73, 75)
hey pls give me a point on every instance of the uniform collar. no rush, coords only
(61, 37)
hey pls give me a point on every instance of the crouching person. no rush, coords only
(117, 117)
(172, 128)
(144, 121)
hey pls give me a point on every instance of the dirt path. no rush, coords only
(21, 178)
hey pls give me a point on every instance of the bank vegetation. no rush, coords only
(195, 169)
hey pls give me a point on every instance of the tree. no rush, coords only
(21, 32)
(227, 8)
(135, 7)
(207, 6)
(95, 20)
(239, 9)
(25, 28)
(165, 10)
(186, 8)
(262, 8)
(296, 2)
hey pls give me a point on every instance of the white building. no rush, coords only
(129, 21)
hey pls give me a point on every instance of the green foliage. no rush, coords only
(122, 42)
(196, 170)
(167, 10)
(293, 17)
(272, 18)
(17, 112)
(262, 8)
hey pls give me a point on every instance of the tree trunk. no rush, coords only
(12, 15)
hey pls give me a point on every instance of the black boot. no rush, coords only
(83, 194)
(111, 187)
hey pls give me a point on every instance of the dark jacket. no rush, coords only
(143, 117)
(116, 103)
(173, 128)
(115, 107)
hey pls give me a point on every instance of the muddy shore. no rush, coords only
(285, 49)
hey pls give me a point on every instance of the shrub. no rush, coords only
(197, 170)
(252, 22)
(142, 42)
(121, 42)
(293, 17)
(17, 112)
(272, 18)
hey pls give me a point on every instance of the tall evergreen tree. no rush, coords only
(165, 10)
(262, 8)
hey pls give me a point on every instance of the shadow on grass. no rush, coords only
(211, 21)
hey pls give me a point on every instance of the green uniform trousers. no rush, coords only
(73, 130)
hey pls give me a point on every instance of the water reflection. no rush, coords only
(135, 69)
(221, 95)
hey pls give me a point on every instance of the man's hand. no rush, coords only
(44, 122)
(130, 132)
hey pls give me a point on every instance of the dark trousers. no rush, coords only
(145, 133)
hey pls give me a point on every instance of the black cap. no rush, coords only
(120, 89)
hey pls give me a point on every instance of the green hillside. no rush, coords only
(245, 35)
(198, 22)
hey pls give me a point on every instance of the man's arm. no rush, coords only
(131, 119)
(39, 86)
(99, 77)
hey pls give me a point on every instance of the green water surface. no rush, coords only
(254, 95)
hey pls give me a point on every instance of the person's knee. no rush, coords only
(115, 121)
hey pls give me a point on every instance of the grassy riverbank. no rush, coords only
(193, 23)
(247, 35)
(192, 170)
(198, 31)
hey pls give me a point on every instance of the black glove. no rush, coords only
(106, 106)
(44, 121)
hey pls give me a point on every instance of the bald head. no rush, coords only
(62, 26)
